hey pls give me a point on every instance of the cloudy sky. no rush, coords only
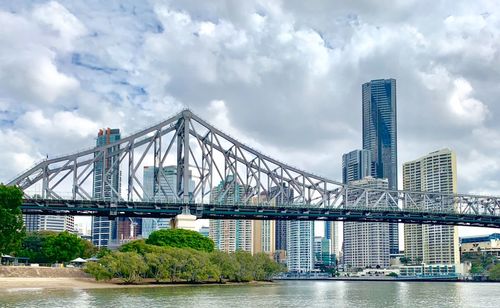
(284, 76)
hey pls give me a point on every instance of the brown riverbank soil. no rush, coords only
(18, 277)
(41, 272)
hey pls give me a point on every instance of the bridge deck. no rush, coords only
(254, 212)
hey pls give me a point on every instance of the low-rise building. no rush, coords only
(322, 257)
(489, 244)
(431, 271)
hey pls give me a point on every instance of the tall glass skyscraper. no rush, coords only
(332, 235)
(356, 165)
(103, 229)
(380, 136)
(281, 198)
(366, 244)
(162, 191)
(107, 232)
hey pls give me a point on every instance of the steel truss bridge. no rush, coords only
(217, 176)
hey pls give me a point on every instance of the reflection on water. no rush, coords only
(283, 294)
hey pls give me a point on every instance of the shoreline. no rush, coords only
(11, 284)
(387, 280)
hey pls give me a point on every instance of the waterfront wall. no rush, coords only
(42, 272)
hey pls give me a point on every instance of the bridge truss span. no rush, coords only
(212, 167)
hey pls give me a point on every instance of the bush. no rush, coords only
(130, 267)
(98, 271)
(139, 259)
(159, 265)
(181, 238)
(494, 273)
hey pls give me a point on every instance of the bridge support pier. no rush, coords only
(184, 221)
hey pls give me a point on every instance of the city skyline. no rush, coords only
(277, 153)
(255, 97)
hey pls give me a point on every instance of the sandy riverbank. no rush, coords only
(19, 283)
(7, 283)
(25, 277)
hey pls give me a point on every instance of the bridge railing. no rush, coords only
(241, 205)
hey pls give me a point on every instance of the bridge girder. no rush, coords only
(212, 166)
(249, 211)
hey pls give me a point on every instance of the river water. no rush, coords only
(280, 294)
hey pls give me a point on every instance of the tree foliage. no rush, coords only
(405, 260)
(481, 262)
(12, 229)
(130, 267)
(494, 273)
(33, 247)
(50, 247)
(477, 268)
(98, 271)
(159, 266)
(63, 247)
(226, 263)
(102, 251)
(137, 260)
(140, 247)
(181, 238)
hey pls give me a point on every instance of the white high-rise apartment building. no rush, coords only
(230, 235)
(35, 223)
(332, 233)
(299, 245)
(366, 244)
(432, 244)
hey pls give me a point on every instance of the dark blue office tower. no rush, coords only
(380, 136)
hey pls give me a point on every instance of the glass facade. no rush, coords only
(356, 165)
(380, 136)
(332, 235)
(163, 190)
(283, 196)
(105, 232)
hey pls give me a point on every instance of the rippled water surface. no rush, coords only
(282, 294)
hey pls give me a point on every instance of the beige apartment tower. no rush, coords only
(230, 235)
(431, 244)
(264, 237)
(264, 231)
